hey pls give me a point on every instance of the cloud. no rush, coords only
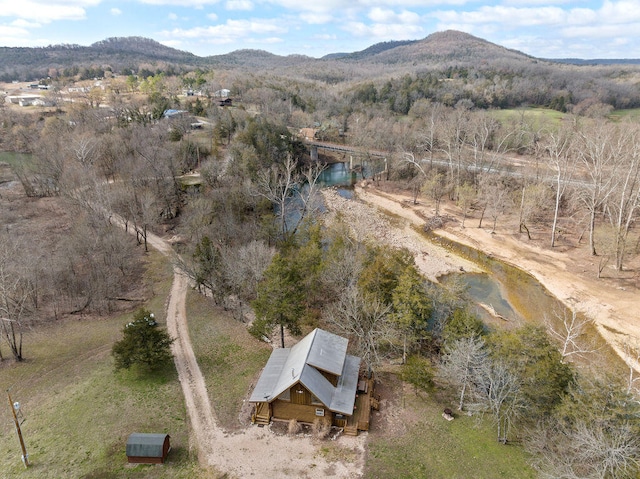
(47, 11)
(22, 23)
(381, 31)
(317, 18)
(212, 16)
(231, 31)
(172, 16)
(182, 3)
(115, 11)
(380, 15)
(7, 31)
(245, 5)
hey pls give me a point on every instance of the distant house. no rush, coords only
(316, 378)
(143, 448)
(308, 134)
(174, 113)
(223, 93)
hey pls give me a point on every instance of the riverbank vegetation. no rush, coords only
(253, 241)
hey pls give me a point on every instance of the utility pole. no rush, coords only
(14, 409)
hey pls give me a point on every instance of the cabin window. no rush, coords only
(286, 395)
(315, 401)
(320, 412)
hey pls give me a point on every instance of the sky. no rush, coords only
(542, 28)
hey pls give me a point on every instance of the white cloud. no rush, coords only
(22, 23)
(245, 5)
(508, 16)
(325, 36)
(380, 31)
(317, 18)
(212, 16)
(116, 11)
(14, 32)
(172, 16)
(601, 31)
(231, 31)
(46, 11)
(181, 3)
(381, 15)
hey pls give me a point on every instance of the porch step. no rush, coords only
(264, 420)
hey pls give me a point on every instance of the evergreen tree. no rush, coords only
(280, 299)
(143, 343)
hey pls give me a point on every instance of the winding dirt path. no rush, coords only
(254, 452)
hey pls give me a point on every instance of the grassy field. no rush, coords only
(632, 113)
(13, 158)
(229, 357)
(430, 447)
(79, 412)
(537, 116)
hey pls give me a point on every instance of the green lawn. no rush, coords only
(432, 448)
(537, 116)
(229, 357)
(13, 158)
(631, 113)
(79, 412)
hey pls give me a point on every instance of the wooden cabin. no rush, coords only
(316, 378)
(144, 448)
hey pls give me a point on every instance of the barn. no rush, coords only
(145, 448)
(316, 378)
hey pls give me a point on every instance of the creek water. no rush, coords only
(513, 293)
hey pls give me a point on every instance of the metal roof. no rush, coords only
(140, 444)
(318, 351)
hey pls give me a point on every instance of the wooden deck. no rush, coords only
(366, 399)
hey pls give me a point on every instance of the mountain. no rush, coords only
(256, 59)
(367, 52)
(448, 46)
(439, 50)
(145, 47)
(116, 53)
(597, 61)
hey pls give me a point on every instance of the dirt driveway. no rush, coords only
(254, 452)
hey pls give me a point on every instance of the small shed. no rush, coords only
(145, 448)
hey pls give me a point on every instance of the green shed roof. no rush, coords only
(142, 444)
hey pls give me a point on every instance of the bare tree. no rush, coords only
(292, 193)
(625, 199)
(364, 321)
(495, 197)
(462, 363)
(16, 293)
(569, 328)
(435, 187)
(632, 358)
(498, 392)
(563, 163)
(598, 156)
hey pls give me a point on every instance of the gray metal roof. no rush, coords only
(140, 444)
(328, 352)
(318, 351)
(345, 393)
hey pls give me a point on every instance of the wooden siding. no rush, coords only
(300, 395)
(301, 412)
(332, 378)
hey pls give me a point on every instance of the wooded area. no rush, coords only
(250, 235)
